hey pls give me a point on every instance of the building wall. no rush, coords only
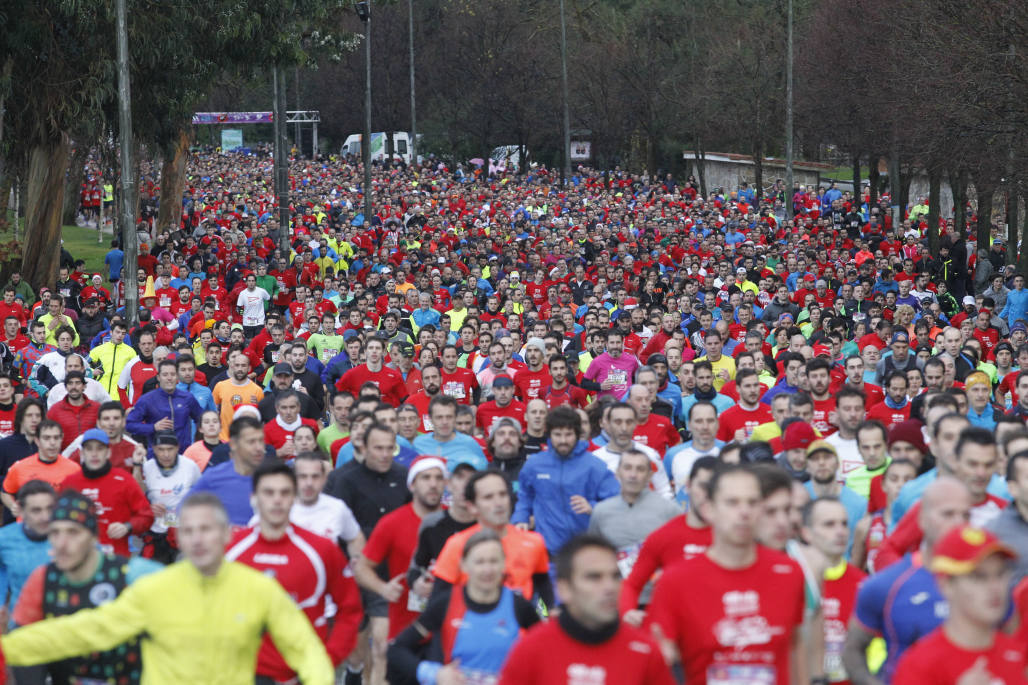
(730, 174)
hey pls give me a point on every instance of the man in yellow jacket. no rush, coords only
(199, 621)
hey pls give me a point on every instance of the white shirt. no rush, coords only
(169, 490)
(252, 302)
(849, 457)
(328, 517)
(659, 482)
(94, 391)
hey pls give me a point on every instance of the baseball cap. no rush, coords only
(968, 299)
(503, 382)
(656, 359)
(900, 336)
(165, 438)
(95, 434)
(282, 369)
(822, 350)
(349, 335)
(506, 421)
(908, 431)
(798, 435)
(963, 548)
(821, 446)
(406, 348)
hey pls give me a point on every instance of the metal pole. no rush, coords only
(366, 138)
(564, 89)
(298, 132)
(277, 152)
(127, 210)
(788, 119)
(314, 142)
(413, 117)
(283, 161)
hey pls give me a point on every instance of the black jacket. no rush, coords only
(369, 494)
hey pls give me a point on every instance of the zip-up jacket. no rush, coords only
(180, 406)
(547, 483)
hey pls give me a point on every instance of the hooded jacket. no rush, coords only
(547, 483)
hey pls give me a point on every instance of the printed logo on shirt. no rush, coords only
(581, 674)
(741, 603)
(271, 559)
(102, 593)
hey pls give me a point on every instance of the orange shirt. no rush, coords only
(32, 468)
(525, 552)
(228, 396)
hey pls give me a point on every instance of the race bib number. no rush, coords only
(330, 352)
(626, 559)
(170, 520)
(618, 376)
(740, 674)
(415, 602)
(454, 390)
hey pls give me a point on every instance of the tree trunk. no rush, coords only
(895, 183)
(874, 178)
(985, 193)
(958, 184)
(1012, 220)
(934, 209)
(856, 177)
(76, 170)
(1022, 263)
(701, 161)
(173, 184)
(48, 162)
(758, 169)
(904, 191)
(6, 184)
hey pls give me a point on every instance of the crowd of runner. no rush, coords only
(513, 431)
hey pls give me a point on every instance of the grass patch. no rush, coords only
(81, 243)
(845, 173)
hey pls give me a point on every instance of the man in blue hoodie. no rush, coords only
(561, 485)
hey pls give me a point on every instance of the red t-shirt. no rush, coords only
(547, 655)
(119, 499)
(657, 433)
(671, 544)
(489, 413)
(393, 541)
(734, 418)
(888, 416)
(938, 660)
(822, 410)
(839, 598)
(275, 434)
(7, 419)
(734, 625)
(459, 385)
(389, 381)
(569, 394)
(528, 384)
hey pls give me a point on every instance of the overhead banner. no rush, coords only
(233, 118)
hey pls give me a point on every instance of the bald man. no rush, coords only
(903, 602)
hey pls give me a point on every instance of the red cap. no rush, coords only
(798, 435)
(822, 350)
(962, 549)
(810, 278)
(631, 303)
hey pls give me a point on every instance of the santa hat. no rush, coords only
(422, 464)
(246, 410)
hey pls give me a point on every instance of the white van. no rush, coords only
(401, 146)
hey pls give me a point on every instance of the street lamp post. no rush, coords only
(413, 118)
(564, 89)
(363, 9)
(788, 117)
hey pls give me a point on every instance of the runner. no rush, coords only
(308, 566)
(586, 642)
(223, 644)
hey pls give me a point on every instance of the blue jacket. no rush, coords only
(20, 555)
(180, 406)
(1016, 306)
(546, 485)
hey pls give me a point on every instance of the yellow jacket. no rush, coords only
(193, 629)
